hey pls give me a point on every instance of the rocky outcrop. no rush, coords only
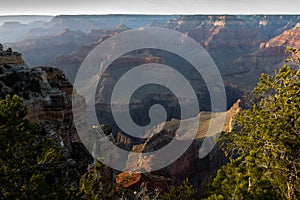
(10, 57)
(48, 95)
(56, 112)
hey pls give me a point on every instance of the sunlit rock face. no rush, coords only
(187, 165)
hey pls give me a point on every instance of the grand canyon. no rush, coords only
(41, 55)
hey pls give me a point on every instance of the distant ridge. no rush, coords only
(25, 19)
(27, 15)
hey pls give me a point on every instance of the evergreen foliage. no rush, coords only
(266, 142)
(182, 192)
(29, 160)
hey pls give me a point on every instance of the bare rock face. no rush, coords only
(48, 95)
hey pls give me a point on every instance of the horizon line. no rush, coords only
(144, 14)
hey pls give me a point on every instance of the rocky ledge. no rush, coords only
(48, 96)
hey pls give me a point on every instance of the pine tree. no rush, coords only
(266, 142)
(31, 165)
(182, 192)
(97, 183)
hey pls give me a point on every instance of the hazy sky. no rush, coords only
(55, 7)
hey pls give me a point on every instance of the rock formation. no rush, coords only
(268, 58)
(48, 95)
(289, 38)
(188, 165)
(10, 57)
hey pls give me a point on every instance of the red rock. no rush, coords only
(133, 181)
